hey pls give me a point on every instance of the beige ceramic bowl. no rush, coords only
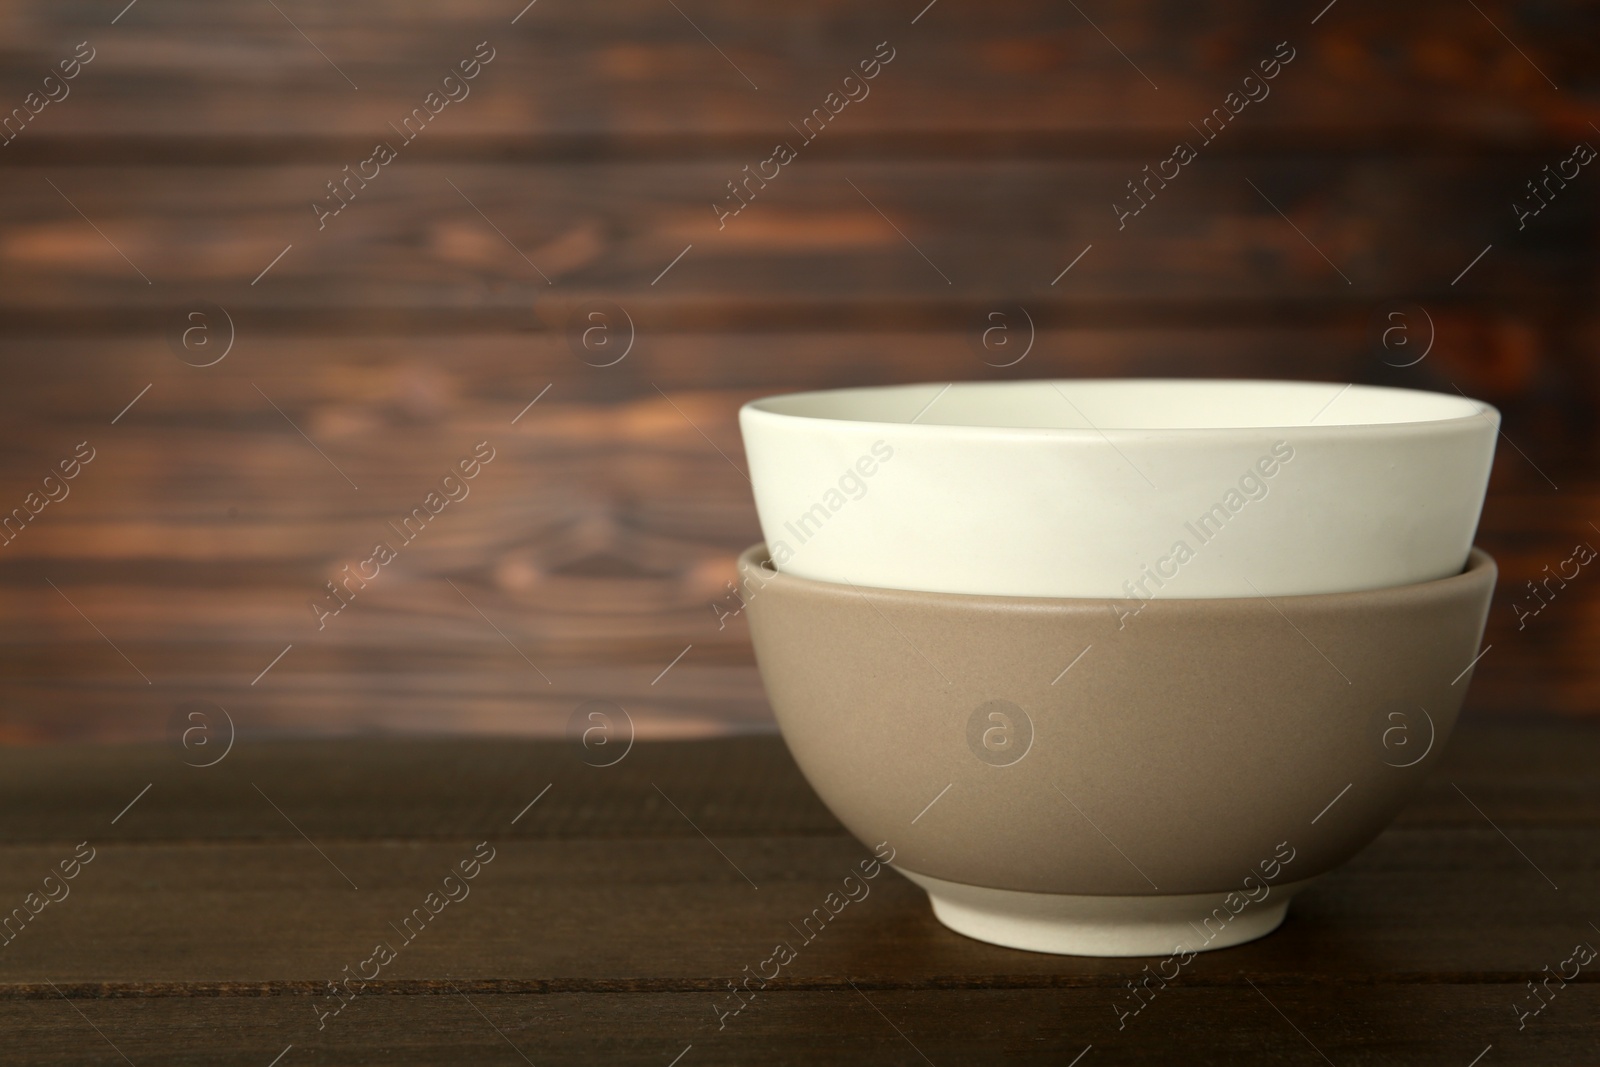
(1082, 777)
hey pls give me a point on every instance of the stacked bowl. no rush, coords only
(1115, 668)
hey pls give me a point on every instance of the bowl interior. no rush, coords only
(1097, 406)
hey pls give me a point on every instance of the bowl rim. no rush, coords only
(1480, 567)
(765, 409)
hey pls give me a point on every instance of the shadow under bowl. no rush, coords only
(1114, 777)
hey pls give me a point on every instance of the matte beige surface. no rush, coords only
(1178, 750)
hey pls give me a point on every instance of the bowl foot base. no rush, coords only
(1104, 925)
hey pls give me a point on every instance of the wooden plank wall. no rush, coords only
(578, 170)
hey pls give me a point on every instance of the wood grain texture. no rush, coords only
(641, 68)
(973, 231)
(150, 604)
(608, 924)
(442, 299)
(1535, 773)
(1416, 1024)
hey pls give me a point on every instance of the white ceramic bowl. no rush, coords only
(1120, 488)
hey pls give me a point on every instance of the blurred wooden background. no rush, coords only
(178, 171)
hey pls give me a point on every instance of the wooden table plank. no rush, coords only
(604, 903)
(635, 66)
(673, 914)
(1440, 1024)
(1534, 773)
(422, 379)
(990, 231)
(391, 842)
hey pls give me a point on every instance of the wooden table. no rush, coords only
(438, 309)
(620, 901)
